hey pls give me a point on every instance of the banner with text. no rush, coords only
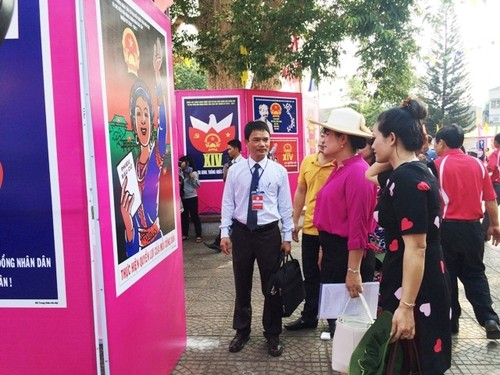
(31, 254)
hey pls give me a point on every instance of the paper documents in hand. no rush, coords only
(333, 299)
(126, 168)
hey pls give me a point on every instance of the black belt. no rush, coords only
(260, 228)
(460, 221)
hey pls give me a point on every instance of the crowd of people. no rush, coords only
(428, 203)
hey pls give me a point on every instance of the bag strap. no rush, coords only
(411, 360)
(414, 358)
(277, 265)
(363, 302)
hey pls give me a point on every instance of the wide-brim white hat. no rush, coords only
(346, 121)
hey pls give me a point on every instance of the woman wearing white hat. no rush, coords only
(344, 205)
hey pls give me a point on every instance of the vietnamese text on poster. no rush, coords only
(209, 123)
(280, 114)
(31, 254)
(139, 124)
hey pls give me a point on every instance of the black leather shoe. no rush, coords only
(238, 342)
(492, 330)
(274, 347)
(213, 246)
(300, 324)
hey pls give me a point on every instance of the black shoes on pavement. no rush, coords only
(492, 330)
(273, 344)
(238, 342)
(301, 324)
(274, 347)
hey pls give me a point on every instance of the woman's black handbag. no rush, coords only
(286, 281)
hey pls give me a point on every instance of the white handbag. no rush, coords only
(348, 333)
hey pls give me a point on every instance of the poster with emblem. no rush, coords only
(139, 125)
(209, 123)
(279, 113)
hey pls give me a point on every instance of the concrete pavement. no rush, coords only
(209, 308)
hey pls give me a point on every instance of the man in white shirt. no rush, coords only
(234, 152)
(256, 197)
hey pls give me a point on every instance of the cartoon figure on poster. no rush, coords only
(140, 177)
(139, 127)
(280, 114)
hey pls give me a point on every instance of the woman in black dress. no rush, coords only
(414, 281)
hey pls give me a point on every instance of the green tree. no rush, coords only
(188, 75)
(277, 37)
(446, 86)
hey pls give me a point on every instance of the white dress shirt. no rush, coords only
(273, 184)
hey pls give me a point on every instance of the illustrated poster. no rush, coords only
(209, 123)
(31, 253)
(139, 126)
(280, 114)
(285, 151)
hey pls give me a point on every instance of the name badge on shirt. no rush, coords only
(258, 201)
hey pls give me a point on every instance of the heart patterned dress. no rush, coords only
(410, 204)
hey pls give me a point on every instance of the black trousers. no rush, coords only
(335, 260)
(486, 220)
(190, 209)
(336, 257)
(264, 247)
(463, 249)
(310, 254)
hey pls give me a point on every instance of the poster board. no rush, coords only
(128, 55)
(43, 200)
(221, 115)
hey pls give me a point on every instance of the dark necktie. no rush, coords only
(252, 214)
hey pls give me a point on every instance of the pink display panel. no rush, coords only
(46, 304)
(130, 69)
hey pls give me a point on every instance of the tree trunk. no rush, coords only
(210, 9)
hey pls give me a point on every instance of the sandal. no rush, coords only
(198, 239)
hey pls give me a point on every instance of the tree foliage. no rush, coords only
(273, 38)
(188, 75)
(446, 86)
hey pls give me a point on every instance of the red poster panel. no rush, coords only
(286, 152)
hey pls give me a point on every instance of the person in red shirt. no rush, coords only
(493, 167)
(464, 184)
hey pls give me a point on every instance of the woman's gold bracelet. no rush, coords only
(408, 305)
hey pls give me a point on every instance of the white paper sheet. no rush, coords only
(126, 168)
(333, 299)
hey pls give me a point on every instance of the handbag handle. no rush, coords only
(410, 351)
(363, 302)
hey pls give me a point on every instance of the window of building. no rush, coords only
(495, 103)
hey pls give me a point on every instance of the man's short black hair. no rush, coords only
(255, 125)
(236, 143)
(453, 135)
(497, 138)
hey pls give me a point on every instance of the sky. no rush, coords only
(481, 37)
(478, 22)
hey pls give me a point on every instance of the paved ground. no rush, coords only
(209, 308)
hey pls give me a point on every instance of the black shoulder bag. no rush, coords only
(286, 281)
